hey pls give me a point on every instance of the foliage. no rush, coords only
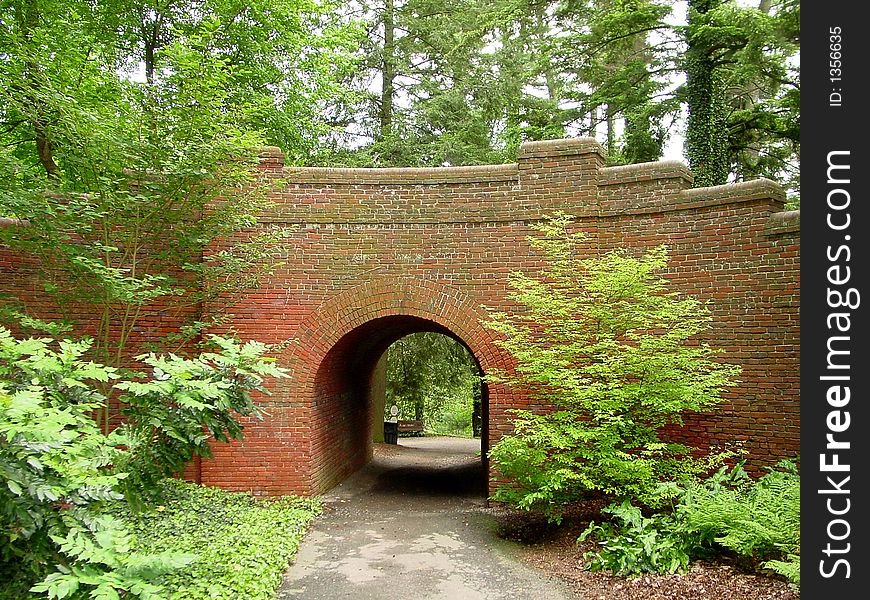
(59, 470)
(433, 378)
(455, 418)
(790, 568)
(467, 81)
(706, 128)
(604, 340)
(624, 71)
(757, 519)
(742, 89)
(55, 464)
(173, 416)
(243, 544)
(121, 185)
(637, 544)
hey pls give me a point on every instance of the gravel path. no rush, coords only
(413, 524)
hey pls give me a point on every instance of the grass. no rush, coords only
(243, 544)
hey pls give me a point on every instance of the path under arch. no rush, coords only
(412, 524)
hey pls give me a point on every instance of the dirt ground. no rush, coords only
(554, 550)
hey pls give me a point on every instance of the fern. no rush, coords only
(758, 520)
(790, 568)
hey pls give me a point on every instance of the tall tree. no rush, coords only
(620, 52)
(732, 68)
(453, 82)
(428, 372)
(743, 91)
(707, 126)
(120, 184)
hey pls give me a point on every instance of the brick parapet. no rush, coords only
(783, 223)
(374, 254)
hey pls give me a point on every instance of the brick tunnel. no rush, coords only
(376, 254)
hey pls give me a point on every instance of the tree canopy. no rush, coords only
(466, 81)
(128, 132)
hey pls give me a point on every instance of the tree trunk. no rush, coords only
(388, 70)
(707, 124)
(28, 21)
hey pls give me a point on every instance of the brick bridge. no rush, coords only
(381, 253)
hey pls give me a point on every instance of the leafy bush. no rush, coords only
(172, 416)
(243, 544)
(452, 418)
(637, 544)
(790, 568)
(59, 469)
(759, 520)
(55, 462)
(605, 341)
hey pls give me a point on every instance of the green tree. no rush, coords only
(707, 126)
(732, 68)
(620, 51)
(465, 81)
(454, 82)
(122, 222)
(763, 80)
(616, 352)
(284, 59)
(432, 378)
(120, 186)
(742, 91)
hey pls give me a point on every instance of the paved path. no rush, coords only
(412, 525)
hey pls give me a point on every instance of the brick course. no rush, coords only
(377, 254)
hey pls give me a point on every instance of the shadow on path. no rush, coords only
(461, 480)
(413, 524)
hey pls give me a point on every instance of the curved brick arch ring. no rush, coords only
(359, 323)
(448, 307)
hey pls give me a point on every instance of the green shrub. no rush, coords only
(59, 469)
(636, 544)
(172, 416)
(54, 464)
(243, 544)
(604, 340)
(790, 568)
(756, 519)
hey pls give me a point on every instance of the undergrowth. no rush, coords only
(758, 520)
(242, 544)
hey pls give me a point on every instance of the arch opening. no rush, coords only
(344, 400)
(433, 385)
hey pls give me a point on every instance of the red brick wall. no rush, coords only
(380, 253)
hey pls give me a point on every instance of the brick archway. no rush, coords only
(446, 307)
(318, 429)
(338, 346)
(374, 253)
